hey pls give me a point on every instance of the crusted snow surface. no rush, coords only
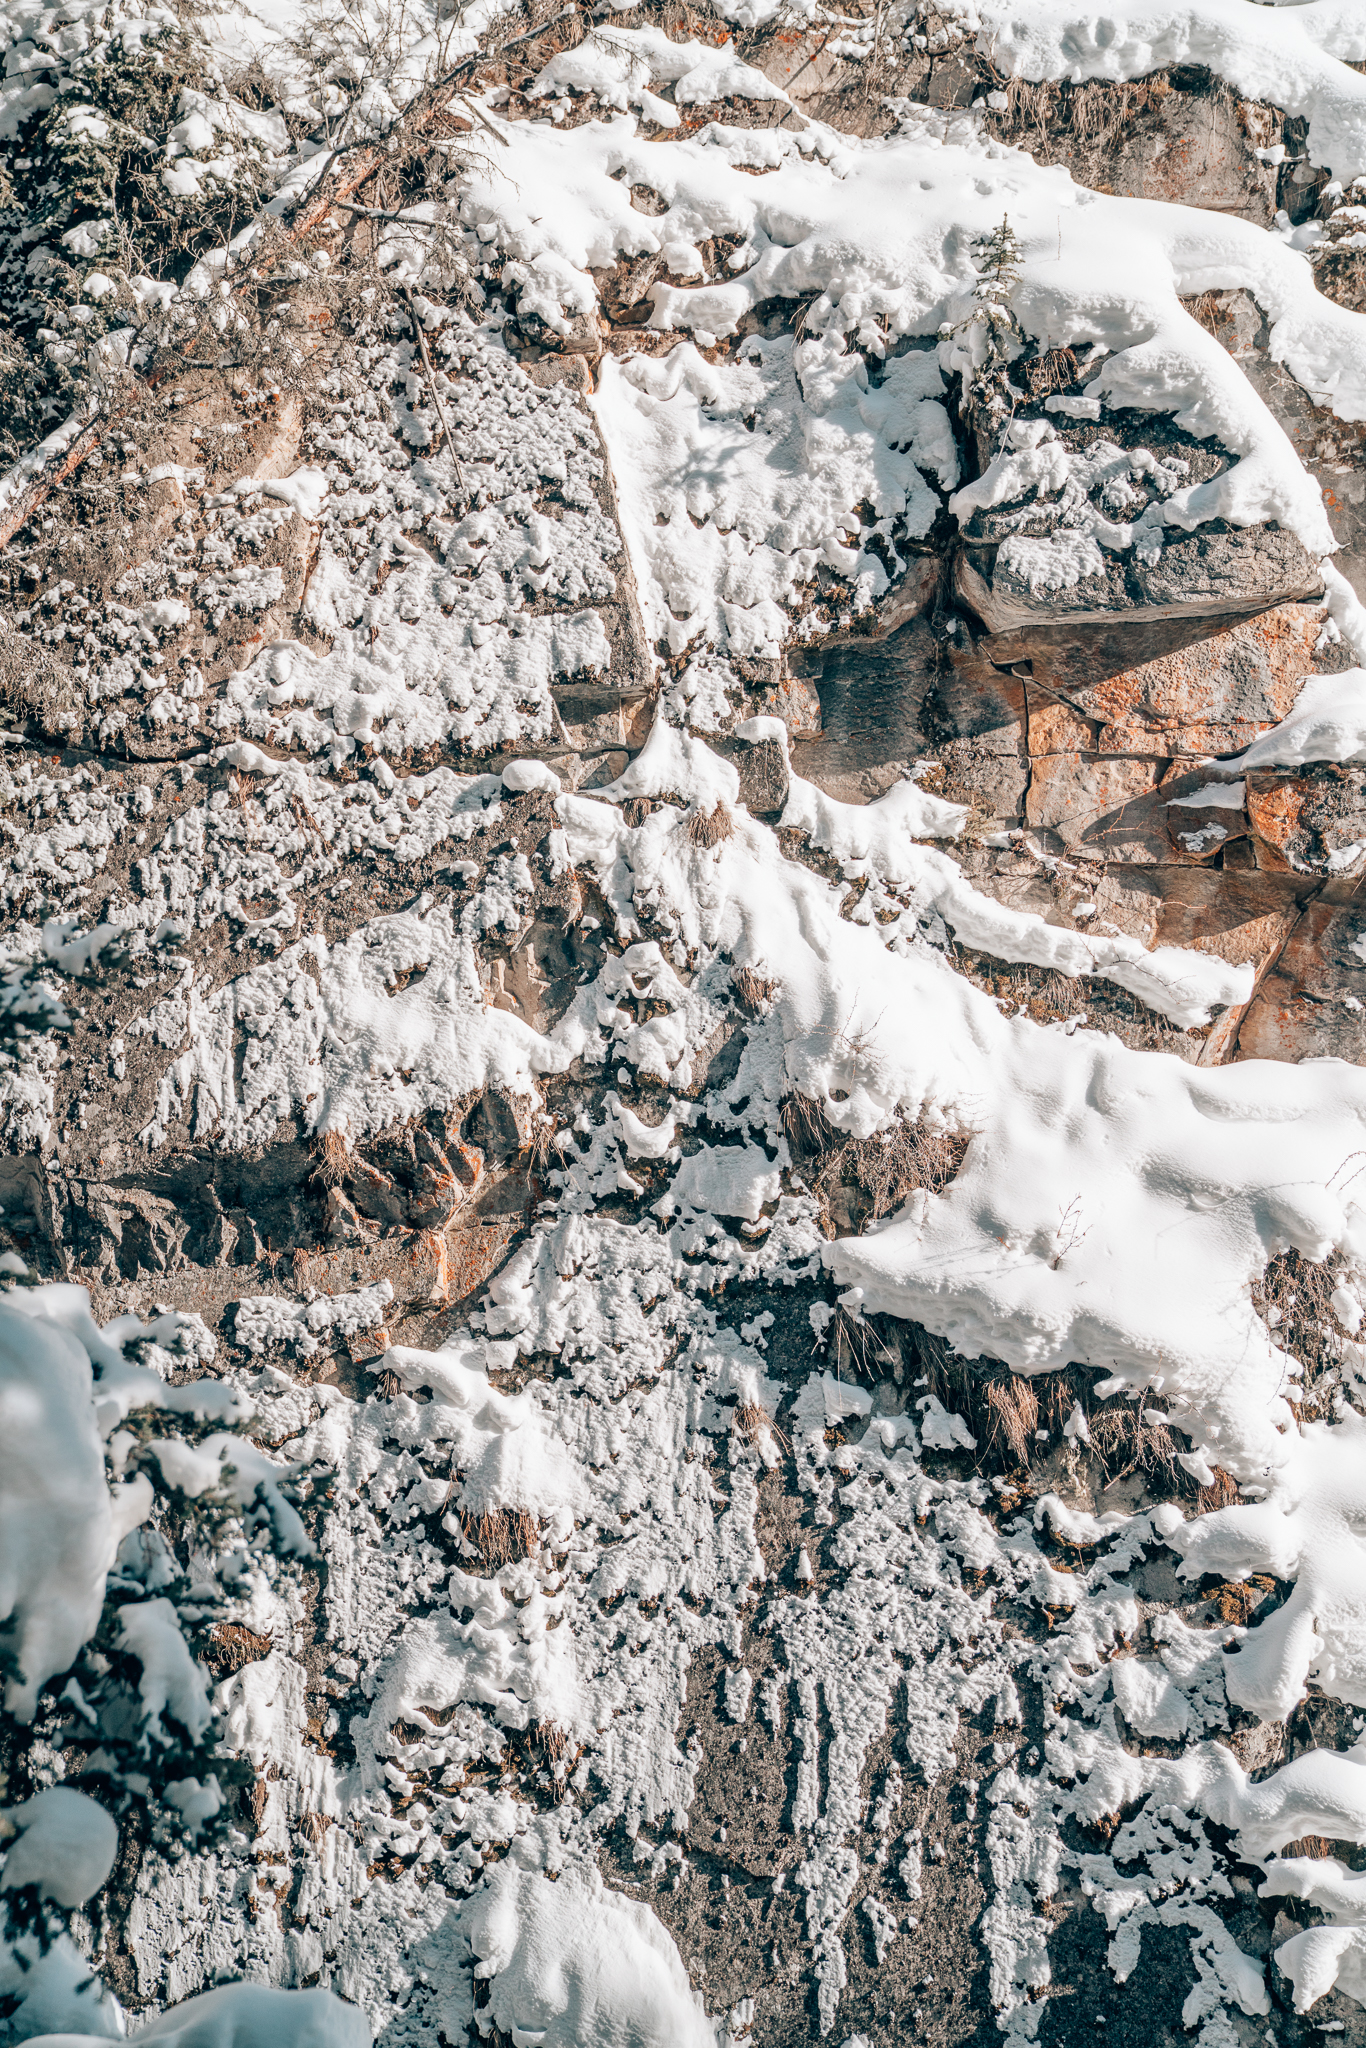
(534, 1537)
(611, 1471)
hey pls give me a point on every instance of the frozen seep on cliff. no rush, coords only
(682, 1025)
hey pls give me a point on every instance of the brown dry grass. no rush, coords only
(752, 990)
(1011, 1409)
(878, 1172)
(502, 1536)
(1054, 370)
(751, 1422)
(807, 1128)
(1307, 1327)
(1223, 1494)
(541, 1148)
(1003, 1410)
(231, 1646)
(1053, 119)
(709, 828)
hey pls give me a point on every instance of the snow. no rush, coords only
(170, 1680)
(571, 1965)
(256, 2016)
(264, 1320)
(58, 1522)
(739, 479)
(617, 64)
(64, 1843)
(1112, 1208)
(1296, 57)
(1224, 796)
(824, 217)
(1328, 723)
(877, 838)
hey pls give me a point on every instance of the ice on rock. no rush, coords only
(264, 1320)
(528, 1583)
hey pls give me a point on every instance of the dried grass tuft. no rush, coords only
(1125, 1441)
(334, 1158)
(1223, 1494)
(541, 1147)
(503, 1535)
(1054, 370)
(807, 1128)
(231, 1646)
(1293, 1298)
(1011, 1417)
(753, 1421)
(879, 1172)
(859, 1349)
(552, 1741)
(752, 990)
(709, 828)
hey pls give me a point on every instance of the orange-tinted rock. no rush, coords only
(1274, 804)
(1215, 696)
(1202, 820)
(1244, 918)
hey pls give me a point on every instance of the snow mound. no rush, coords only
(66, 1845)
(1328, 723)
(572, 1965)
(58, 1526)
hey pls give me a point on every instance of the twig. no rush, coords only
(480, 115)
(420, 332)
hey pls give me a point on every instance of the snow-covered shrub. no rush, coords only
(133, 1516)
(121, 156)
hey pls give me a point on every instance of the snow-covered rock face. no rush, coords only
(669, 1372)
